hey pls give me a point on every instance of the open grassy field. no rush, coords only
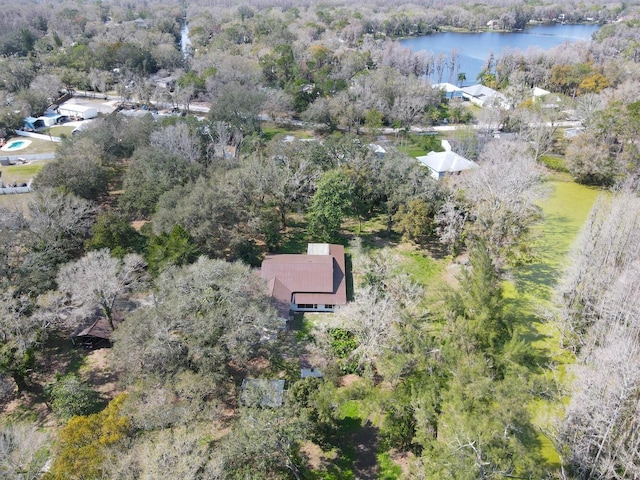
(20, 173)
(529, 297)
(270, 130)
(531, 292)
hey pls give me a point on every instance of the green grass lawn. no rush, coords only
(388, 469)
(270, 130)
(421, 267)
(554, 162)
(60, 130)
(412, 150)
(529, 296)
(20, 173)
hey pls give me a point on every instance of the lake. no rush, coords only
(474, 48)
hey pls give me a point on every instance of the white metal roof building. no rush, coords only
(442, 163)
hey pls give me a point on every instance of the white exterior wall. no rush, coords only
(318, 308)
(78, 111)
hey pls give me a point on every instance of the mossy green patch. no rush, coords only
(554, 162)
(565, 211)
(548, 451)
(349, 409)
(529, 295)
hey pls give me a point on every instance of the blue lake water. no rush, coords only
(474, 48)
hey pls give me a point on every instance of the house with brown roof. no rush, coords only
(315, 282)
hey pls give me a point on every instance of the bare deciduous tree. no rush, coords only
(99, 280)
(23, 451)
(178, 140)
(600, 429)
(502, 196)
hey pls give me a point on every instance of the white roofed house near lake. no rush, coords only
(482, 95)
(447, 162)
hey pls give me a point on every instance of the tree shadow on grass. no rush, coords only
(524, 318)
(540, 277)
(537, 279)
(348, 266)
(294, 238)
(355, 446)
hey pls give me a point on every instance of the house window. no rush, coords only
(307, 305)
(329, 306)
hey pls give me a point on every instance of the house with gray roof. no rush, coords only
(447, 162)
(482, 95)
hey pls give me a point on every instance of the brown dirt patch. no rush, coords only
(98, 374)
(138, 224)
(450, 274)
(314, 457)
(403, 459)
(348, 380)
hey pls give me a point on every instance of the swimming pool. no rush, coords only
(14, 145)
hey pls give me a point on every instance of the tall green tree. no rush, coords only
(113, 231)
(331, 203)
(478, 305)
(78, 169)
(174, 248)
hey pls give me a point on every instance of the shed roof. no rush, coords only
(98, 329)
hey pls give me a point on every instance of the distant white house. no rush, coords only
(538, 92)
(447, 162)
(449, 89)
(73, 110)
(378, 150)
(482, 95)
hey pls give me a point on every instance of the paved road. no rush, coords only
(204, 108)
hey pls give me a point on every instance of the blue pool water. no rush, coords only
(15, 145)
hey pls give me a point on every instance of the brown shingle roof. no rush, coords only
(301, 273)
(311, 279)
(98, 329)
